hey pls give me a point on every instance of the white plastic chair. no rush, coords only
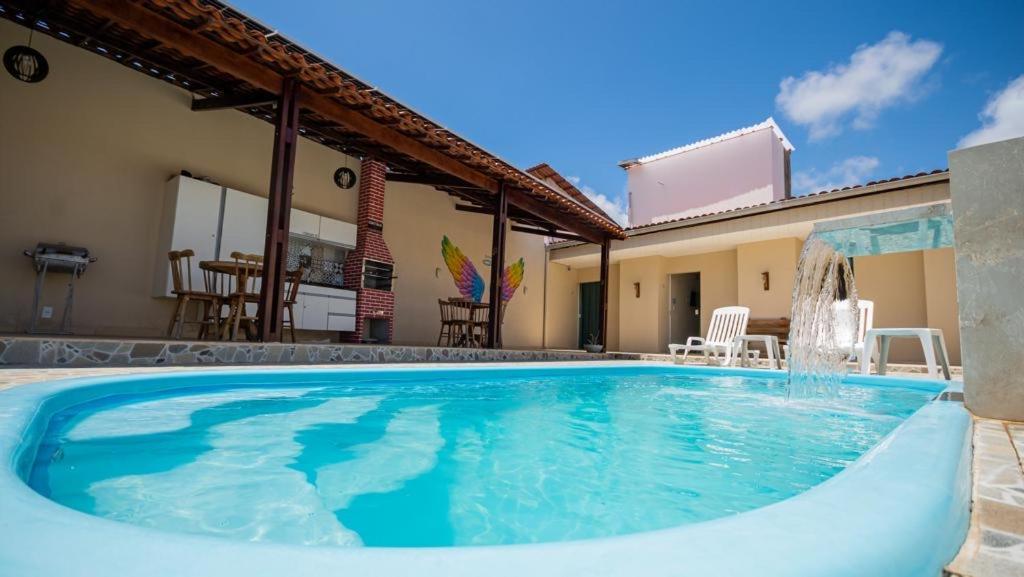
(855, 348)
(727, 323)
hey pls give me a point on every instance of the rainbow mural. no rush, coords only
(468, 280)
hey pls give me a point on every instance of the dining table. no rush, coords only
(477, 314)
(230, 271)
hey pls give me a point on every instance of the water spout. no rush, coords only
(823, 321)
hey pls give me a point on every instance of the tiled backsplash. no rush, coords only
(323, 263)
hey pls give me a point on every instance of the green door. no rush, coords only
(590, 312)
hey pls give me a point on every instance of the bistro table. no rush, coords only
(932, 343)
(771, 346)
(226, 278)
(474, 316)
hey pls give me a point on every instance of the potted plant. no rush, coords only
(592, 345)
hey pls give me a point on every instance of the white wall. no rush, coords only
(742, 171)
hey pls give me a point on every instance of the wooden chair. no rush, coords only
(246, 291)
(292, 279)
(209, 301)
(482, 323)
(447, 323)
(461, 318)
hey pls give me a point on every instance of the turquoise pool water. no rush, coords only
(438, 458)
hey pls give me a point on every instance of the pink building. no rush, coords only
(745, 167)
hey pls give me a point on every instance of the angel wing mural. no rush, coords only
(468, 280)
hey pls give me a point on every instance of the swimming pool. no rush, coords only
(579, 468)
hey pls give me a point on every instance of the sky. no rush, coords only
(864, 90)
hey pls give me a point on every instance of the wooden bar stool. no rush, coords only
(291, 296)
(209, 301)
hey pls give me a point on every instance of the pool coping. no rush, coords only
(901, 509)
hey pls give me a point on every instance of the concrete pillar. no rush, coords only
(987, 189)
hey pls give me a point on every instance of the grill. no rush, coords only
(378, 275)
(59, 258)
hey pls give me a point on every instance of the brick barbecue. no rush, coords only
(369, 268)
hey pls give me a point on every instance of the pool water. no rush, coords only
(441, 458)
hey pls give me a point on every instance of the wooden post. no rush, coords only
(606, 247)
(275, 250)
(497, 268)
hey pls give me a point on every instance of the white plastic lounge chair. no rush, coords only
(867, 317)
(727, 323)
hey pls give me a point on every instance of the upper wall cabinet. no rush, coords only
(304, 223)
(337, 232)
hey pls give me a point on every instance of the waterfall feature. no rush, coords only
(824, 321)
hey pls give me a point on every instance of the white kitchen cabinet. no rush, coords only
(304, 223)
(341, 323)
(337, 232)
(215, 221)
(314, 313)
(325, 308)
(190, 217)
(245, 224)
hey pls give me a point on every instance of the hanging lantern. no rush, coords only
(345, 178)
(26, 64)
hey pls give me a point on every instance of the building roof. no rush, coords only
(872, 187)
(769, 123)
(544, 171)
(216, 52)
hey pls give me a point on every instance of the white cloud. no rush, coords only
(1002, 118)
(876, 77)
(853, 170)
(615, 208)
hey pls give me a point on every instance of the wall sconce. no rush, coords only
(765, 280)
(636, 289)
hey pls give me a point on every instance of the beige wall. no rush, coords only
(643, 321)
(636, 324)
(561, 321)
(83, 160)
(779, 259)
(416, 217)
(912, 289)
(940, 297)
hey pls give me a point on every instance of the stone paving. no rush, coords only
(24, 351)
(995, 540)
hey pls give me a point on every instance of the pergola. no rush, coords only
(229, 61)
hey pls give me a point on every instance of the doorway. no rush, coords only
(684, 307)
(590, 312)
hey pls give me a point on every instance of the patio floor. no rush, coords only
(995, 540)
(61, 352)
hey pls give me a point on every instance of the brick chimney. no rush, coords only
(368, 268)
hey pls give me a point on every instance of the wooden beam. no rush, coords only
(497, 269)
(173, 35)
(275, 251)
(476, 209)
(429, 179)
(605, 264)
(228, 102)
(551, 233)
(563, 221)
(136, 17)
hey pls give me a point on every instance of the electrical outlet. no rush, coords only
(47, 313)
